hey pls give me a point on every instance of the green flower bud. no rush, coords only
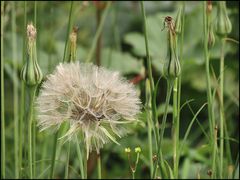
(171, 68)
(127, 150)
(31, 73)
(223, 24)
(138, 150)
(178, 24)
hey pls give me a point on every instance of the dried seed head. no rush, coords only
(95, 101)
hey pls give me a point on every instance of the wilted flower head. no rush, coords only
(95, 101)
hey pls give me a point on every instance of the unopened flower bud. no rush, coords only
(223, 24)
(172, 67)
(127, 150)
(138, 150)
(31, 73)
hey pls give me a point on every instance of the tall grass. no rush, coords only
(3, 155)
(15, 90)
(209, 91)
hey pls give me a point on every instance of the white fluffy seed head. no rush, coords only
(94, 100)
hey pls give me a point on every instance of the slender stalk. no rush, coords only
(180, 76)
(175, 129)
(150, 145)
(222, 120)
(23, 94)
(149, 63)
(32, 91)
(15, 90)
(98, 33)
(70, 19)
(34, 121)
(67, 161)
(3, 160)
(51, 176)
(209, 93)
(55, 143)
(80, 157)
(99, 40)
(99, 166)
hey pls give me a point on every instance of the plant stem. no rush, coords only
(70, 19)
(99, 30)
(80, 157)
(15, 90)
(149, 63)
(150, 142)
(34, 121)
(99, 166)
(3, 160)
(32, 91)
(67, 161)
(222, 120)
(209, 93)
(180, 76)
(175, 129)
(23, 95)
(99, 40)
(54, 155)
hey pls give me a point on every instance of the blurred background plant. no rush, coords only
(122, 48)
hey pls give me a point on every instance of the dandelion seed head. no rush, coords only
(94, 100)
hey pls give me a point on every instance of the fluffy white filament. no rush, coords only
(92, 99)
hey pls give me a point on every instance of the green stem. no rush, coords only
(175, 129)
(150, 143)
(98, 33)
(32, 91)
(80, 157)
(54, 155)
(23, 94)
(70, 19)
(67, 161)
(222, 108)
(99, 40)
(34, 121)
(162, 129)
(15, 91)
(180, 61)
(43, 154)
(209, 93)
(99, 166)
(149, 63)
(3, 160)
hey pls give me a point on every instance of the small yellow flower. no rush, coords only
(138, 150)
(127, 150)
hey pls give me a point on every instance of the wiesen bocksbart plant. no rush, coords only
(95, 101)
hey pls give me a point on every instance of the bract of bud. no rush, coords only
(31, 73)
(211, 37)
(178, 24)
(223, 24)
(171, 68)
